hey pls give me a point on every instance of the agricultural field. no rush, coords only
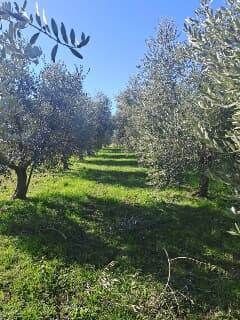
(120, 160)
(89, 244)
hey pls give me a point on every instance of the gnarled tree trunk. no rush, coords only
(203, 186)
(65, 163)
(22, 183)
(204, 164)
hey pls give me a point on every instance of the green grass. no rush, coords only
(88, 244)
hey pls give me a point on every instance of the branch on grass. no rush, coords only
(167, 287)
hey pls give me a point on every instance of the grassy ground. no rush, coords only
(88, 244)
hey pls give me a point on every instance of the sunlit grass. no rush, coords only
(88, 244)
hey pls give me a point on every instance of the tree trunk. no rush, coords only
(204, 163)
(203, 186)
(22, 183)
(65, 163)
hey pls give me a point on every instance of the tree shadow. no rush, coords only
(46, 228)
(119, 178)
(110, 150)
(183, 229)
(57, 226)
(112, 156)
(112, 162)
(195, 232)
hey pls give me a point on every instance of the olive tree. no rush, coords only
(24, 132)
(63, 91)
(214, 39)
(43, 119)
(126, 133)
(102, 119)
(161, 121)
(181, 115)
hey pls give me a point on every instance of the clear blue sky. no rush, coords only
(118, 30)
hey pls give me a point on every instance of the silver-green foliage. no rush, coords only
(214, 39)
(158, 108)
(15, 19)
(185, 112)
(44, 119)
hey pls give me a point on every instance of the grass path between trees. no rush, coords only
(88, 244)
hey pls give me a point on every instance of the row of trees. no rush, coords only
(46, 117)
(180, 112)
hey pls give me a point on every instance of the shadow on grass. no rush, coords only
(134, 179)
(130, 179)
(46, 228)
(112, 162)
(110, 150)
(112, 156)
(56, 226)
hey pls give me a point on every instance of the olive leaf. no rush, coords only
(37, 9)
(19, 34)
(54, 27)
(64, 33)
(16, 7)
(76, 53)
(84, 43)
(83, 37)
(73, 37)
(54, 52)
(25, 5)
(34, 38)
(38, 18)
(45, 18)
